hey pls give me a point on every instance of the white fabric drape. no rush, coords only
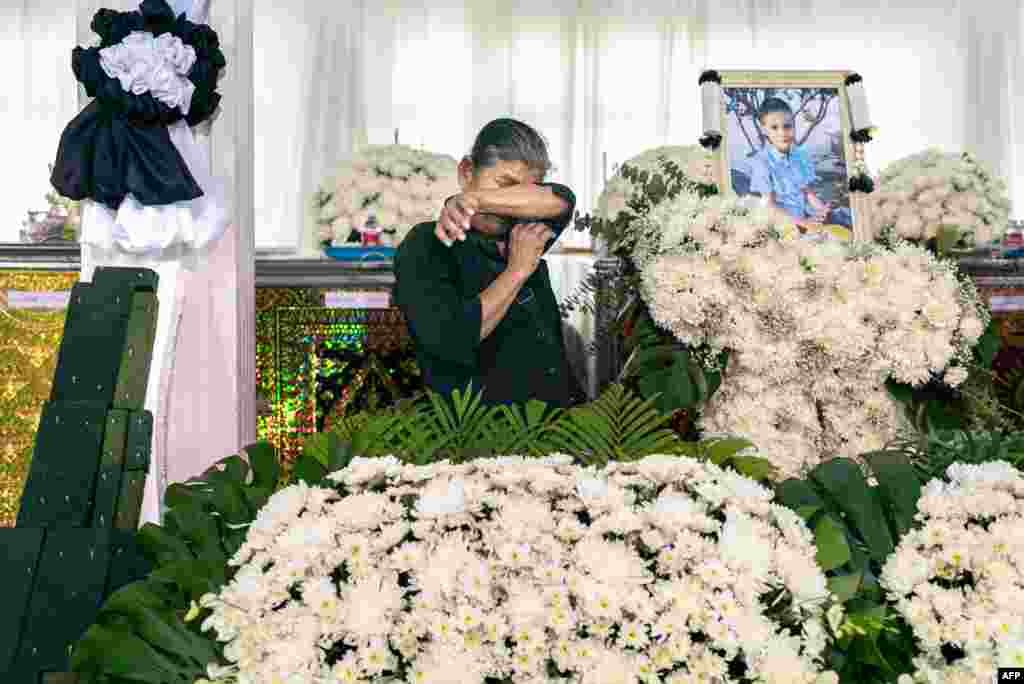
(38, 98)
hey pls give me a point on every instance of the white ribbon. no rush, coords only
(858, 100)
(711, 104)
(196, 11)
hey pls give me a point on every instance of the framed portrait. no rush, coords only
(786, 139)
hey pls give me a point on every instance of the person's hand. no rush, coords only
(454, 221)
(526, 247)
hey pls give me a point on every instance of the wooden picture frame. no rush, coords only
(821, 116)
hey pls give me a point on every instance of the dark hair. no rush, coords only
(510, 140)
(772, 105)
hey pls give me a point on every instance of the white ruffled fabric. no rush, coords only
(140, 229)
(156, 65)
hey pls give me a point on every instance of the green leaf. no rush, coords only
(121, 653)
(846, 486)
(988, 345)
(651, 357)
(308, 469)
(161, 546)
(199, 529)
(830, 538)
(941, 416)
(899, 487)
(266, 467)
(718, 451)
(754, 467)
(795, 494)
(143, 593)
(900, 391)
(681, 387)
(165, 630)
(194, 578)
(228, 498)
(845, 587)
(699, 380)
(807, 512)
(318, 446)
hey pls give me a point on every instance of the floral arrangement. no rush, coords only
(152, 66)
(920, 194)
(526, 571)
(696, 163)
(813, 330)
(61, 221)
(957, 579)
(399, 186)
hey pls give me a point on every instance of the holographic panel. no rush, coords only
(333, 362)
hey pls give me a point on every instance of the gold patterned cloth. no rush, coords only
(29, 342)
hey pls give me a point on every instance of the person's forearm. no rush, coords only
(521, 201)
(497, 298)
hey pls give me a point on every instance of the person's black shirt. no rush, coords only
(438, 290)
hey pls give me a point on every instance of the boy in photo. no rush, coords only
(783, 173)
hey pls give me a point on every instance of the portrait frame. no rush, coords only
(851, 160)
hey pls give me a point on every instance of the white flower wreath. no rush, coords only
(667, 570)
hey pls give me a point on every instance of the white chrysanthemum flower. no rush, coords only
(401, 185)
(956, 579)
(919, 193)
(507, 588)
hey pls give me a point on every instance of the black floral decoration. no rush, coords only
(709, 75)
(862, 183)
(120, 145)
(711, 141)
(156, 17)
(862, 135)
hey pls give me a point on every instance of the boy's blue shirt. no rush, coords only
(786, 175)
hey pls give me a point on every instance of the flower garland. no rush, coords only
(398, 185)
(814, 329)
(919, 194)
(958, 580)
(151, 67)
(526, 571)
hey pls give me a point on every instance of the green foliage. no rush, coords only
(141, 634)
(731, 452)
(932, 453)
(653, 187)
(666, 370)
(616, 427)
(976, 403)
(856, 526)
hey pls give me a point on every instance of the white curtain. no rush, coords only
(38, 98)
(606, 79)
(600, 78)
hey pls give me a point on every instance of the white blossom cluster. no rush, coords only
(662, 571)
(918, 194)
(694, 161)
(814, 329)
(400, 185)
(958, 578)
(158, 65)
